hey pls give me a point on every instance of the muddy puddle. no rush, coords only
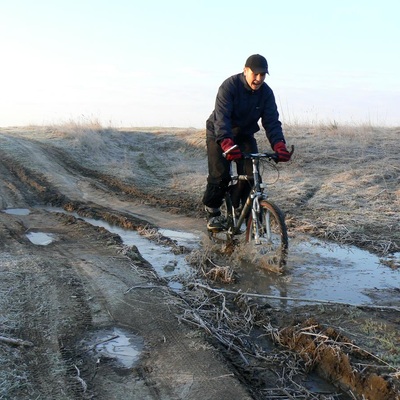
(114, 344)
(16, 211)
(40, 238)
(323, 271)
(167, 265)
(317, 271)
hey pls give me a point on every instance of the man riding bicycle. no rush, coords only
(242, 100)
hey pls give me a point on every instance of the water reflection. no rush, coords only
(322, 271)
(119, 345)
(40, 238)
(166, 264)
(16, 211)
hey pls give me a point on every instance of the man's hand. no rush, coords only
(231, 151)
(282, 152)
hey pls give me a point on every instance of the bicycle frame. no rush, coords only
(257, 193)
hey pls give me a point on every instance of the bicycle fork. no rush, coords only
(255, 212)
(256, 207)
(252, 205)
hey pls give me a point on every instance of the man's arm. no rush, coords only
(270, 120)
(223, 111)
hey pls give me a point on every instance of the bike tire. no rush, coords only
(272, 249)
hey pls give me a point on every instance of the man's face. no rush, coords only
(254, 80)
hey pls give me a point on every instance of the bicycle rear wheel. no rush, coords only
(268, 237)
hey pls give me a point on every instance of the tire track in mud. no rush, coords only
(33, 188)
(50, 308)
(98, 180)
(78, 284)
(154, 318)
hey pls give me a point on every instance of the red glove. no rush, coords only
(231, 152)
(282, 152)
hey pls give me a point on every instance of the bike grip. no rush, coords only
(229, 150)
(275, 157)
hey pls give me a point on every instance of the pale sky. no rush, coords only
(159, 63)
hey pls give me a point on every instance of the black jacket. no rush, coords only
(238, 109)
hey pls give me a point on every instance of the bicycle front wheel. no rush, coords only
(268, 236)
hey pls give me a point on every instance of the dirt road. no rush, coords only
(63, 301)
(56, 294)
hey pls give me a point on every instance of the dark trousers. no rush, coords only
(219, 172)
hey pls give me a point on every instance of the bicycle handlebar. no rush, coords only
(271, 156)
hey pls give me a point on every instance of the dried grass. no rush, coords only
(243, 327)
(202, 261)
(230, 321)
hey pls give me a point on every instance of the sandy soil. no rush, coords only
(198, 343)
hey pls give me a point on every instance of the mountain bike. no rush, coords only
(262, 221)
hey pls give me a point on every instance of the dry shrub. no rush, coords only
(220, 274)
(330, 353)
(203, 261)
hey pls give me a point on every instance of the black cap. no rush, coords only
(257, 63)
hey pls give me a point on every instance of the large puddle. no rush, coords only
(317, 271)
(326, 272)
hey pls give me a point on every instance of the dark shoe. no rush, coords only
(217, 223)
